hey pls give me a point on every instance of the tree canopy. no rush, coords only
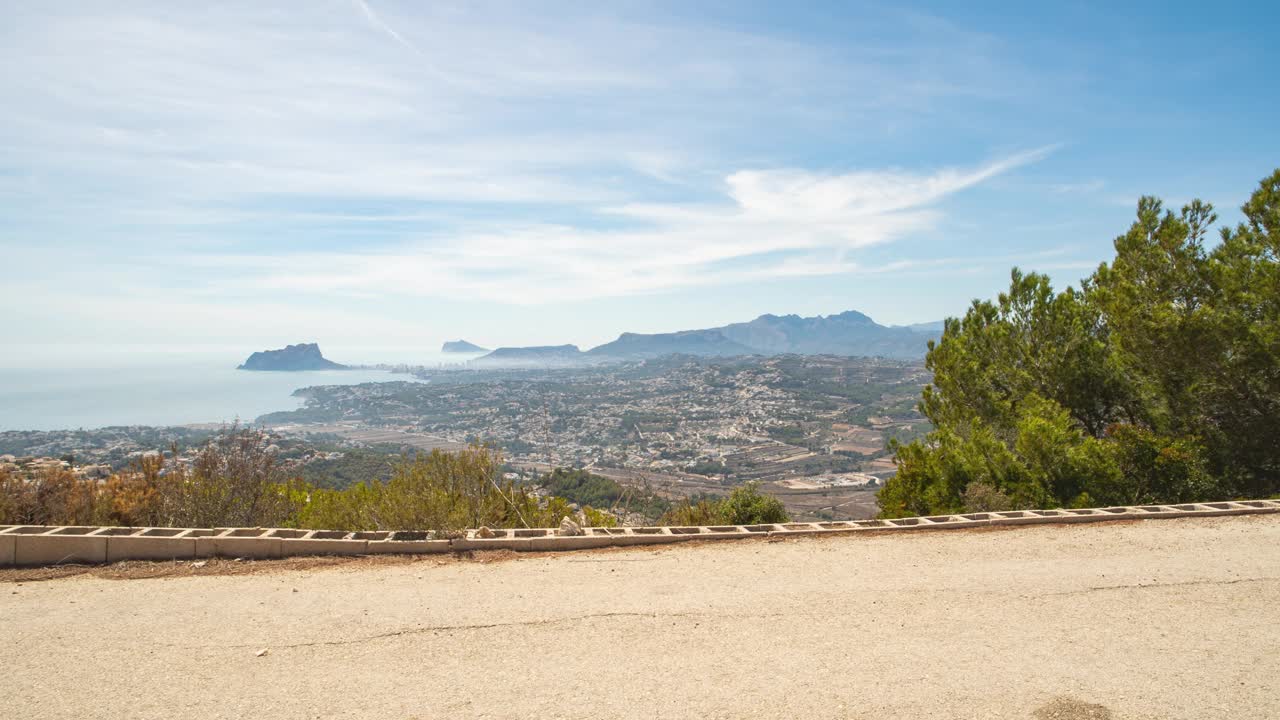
(1157, 381)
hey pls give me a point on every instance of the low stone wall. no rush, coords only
(27, 545)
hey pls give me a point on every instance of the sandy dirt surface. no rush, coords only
(1154, 619)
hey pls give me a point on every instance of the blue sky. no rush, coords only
(380, 176)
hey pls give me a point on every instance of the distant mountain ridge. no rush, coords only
(291, 358)
(849, 333)
(540, 356)
(636, 346)
(934, 328)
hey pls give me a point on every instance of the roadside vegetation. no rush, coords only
(746, 505)
(585, 488)
(354, 466)
(1157, 381)
(236, 481)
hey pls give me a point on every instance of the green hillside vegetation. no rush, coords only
(1157, 381)
(355, 466)
(585, 488)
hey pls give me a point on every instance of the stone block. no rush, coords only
(408, 547)
(61, 546)
(934, 522)
(570, 542)
(723, 532)
(505, 542)
(150, 547)
(649, 539)
(910, 523)
(319, 546)
(798, 528)
(7, 543)
(1226, 508)
(227, 546)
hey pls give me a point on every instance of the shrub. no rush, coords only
(983, 497)
(746, 505)
(704, 512)
(235, 481)
(587, 489)
(53, 496)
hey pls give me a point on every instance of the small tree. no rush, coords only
(234, 481)
(746, 505)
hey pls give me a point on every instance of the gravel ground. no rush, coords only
(1152, 619)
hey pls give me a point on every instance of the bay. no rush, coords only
(174, 391)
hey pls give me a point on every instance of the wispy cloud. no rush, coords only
(771, 224)
(377, 22)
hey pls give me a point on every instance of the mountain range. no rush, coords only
(848, 333)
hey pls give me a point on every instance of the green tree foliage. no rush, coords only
(355, 466)
(1157, 381)
(746, 505)
(582, 487)
(585, 488)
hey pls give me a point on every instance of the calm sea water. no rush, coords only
(177, 391)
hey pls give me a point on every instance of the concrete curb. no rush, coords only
(28, 545)
(7, 547)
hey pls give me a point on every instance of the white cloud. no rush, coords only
(772, 224)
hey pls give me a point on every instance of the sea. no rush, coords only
(172, 389)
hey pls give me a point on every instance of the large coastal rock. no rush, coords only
(462, 346)
(293, 358)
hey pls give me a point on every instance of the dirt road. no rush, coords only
(1154, 619)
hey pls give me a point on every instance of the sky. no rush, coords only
(380, 176)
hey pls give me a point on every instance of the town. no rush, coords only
(814, 430)
(802, 425)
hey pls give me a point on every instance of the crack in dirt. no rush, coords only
(475, 626)
(1144, 586)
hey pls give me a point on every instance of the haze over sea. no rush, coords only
(172, 388)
